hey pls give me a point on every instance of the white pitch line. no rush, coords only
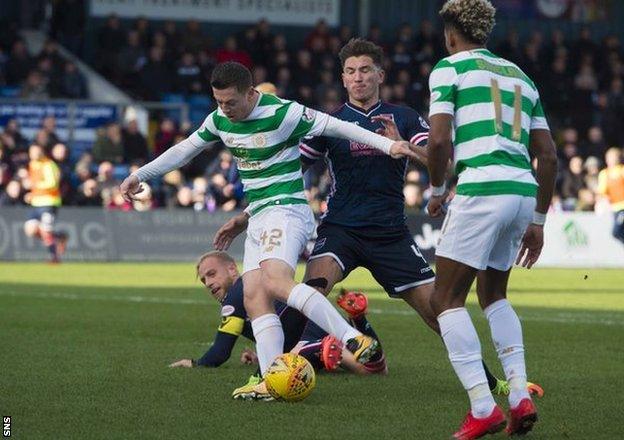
(584, 317)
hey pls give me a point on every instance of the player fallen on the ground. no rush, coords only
(364, 225)
(218, 272)
(486, 114)
(263, 134)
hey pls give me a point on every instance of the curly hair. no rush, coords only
(474, 19)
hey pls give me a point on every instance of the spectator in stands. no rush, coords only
(200, 200)
(184, 198)
(586, 200)
(73, 84)
(6, 168)
(573, 182)
(592, 169)
(105, 177)
(50, 51)
(595, 145)
(109, 145)
(110, 37)
(68, 22)
(193, 39)
(265, 36)
(3, 60)
(231, 52)
(165, 136)
(611, 189)
(12, 195)
(12, 139)
(49, 127)
(134, 144)
(35, 87)
(413, 197)
(155, 76)
(319, 37)
(172, 183)
(248, 39)
(170, 31)
(142, 28)
(130, 61)
(88, 194)
(60, 154)
(19, 64)
(187, 74)
(50, 76)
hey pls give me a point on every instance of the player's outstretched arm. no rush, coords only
(542, 147)
(230, 230)
(346, 130)
(175, 157)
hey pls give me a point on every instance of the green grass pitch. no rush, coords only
(85, 349)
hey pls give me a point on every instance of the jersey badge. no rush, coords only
(227, 310)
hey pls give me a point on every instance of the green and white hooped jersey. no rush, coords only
(266, 148)
(495, 106)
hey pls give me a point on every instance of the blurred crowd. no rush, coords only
(580, 81)
(39, 76)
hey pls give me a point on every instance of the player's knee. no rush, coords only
(274, 285)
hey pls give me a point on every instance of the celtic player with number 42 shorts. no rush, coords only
(263, 134)
(486, 114)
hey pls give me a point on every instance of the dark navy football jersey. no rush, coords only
(367, 187)
(234, 323)
(234, 319)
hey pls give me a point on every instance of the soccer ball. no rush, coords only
(290, 378)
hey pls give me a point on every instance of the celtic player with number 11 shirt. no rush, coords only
(263, 134)
(486, 114)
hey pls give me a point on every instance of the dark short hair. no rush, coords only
(357, 47)
(231, 74)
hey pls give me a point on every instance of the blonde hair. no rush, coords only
(474, 19)
(222, 256)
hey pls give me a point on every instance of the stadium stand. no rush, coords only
(170, 62)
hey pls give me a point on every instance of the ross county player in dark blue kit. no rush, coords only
(218, 272)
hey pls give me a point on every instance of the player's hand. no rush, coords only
(130, 187)
(389, 130)
(531, 247)
(184, 363)
(436, 204)
(248, 357)
(229, 231)
(401, 149)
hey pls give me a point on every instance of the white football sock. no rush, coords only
(267, 330)
(507, 336)
(319, 310)
(464, 348)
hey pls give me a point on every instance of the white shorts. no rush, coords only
(279, 232)
(485, 231)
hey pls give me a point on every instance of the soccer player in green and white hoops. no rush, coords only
(263, 134)
(486, 114)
